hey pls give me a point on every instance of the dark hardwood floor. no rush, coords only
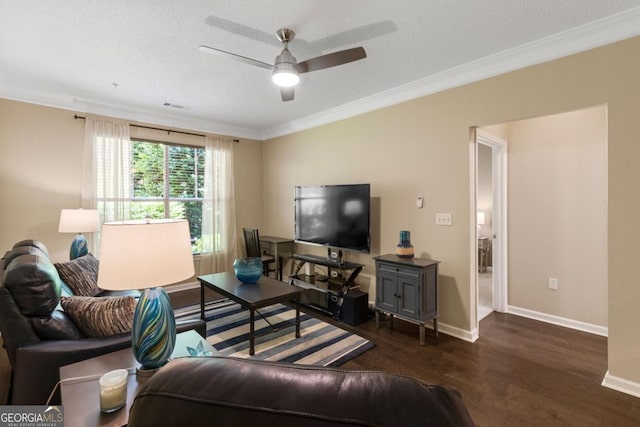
(520, 373)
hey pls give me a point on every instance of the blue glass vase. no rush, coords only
(79, 247)
(153, 335)
(248, 270)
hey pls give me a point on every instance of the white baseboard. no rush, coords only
(470, 336)
(621, 385)
(560, 321)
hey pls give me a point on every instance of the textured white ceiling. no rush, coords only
(126, 58)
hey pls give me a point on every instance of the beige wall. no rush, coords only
(248, 188)
(557, 214)
(41, 172)
(421, 147)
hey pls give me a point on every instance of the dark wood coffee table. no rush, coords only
(251, 296)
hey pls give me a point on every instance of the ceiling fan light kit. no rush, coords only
(286, 70)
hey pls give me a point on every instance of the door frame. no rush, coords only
(499, 242)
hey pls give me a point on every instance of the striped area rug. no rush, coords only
(320, 343)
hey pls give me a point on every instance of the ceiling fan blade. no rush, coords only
(287, 93)
(355, 35)
(301, 46)
(242, 30)
(237, 57)
(331, 60)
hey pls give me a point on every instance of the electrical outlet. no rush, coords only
(444, 219)
(552, 283)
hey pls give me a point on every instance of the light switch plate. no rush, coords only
(444, 219)
(419, 202)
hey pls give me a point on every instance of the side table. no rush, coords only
(80, 389)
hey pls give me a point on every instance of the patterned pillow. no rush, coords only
(81, 275)
(100, 317)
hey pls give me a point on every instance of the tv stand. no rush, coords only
(325, 293)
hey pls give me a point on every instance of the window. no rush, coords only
(127, 178)
(167, 181)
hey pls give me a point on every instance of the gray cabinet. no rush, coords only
(407, 288)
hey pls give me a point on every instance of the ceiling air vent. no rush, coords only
(169, 104)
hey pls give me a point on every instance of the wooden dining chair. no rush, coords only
(252, 244)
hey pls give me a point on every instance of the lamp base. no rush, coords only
(145, 373)
(78, 247)
(153, 336)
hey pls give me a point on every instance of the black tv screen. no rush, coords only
(334, 216)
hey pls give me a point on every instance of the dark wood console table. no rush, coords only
(279, 247)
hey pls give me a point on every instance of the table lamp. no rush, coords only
(78, 221)
(480, 218)
(147, 254)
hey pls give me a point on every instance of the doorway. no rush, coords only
(557, 218)
(491, 228)
(484, 228)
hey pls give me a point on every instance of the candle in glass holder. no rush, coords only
(113, 390)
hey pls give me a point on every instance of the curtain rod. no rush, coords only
(75, 116)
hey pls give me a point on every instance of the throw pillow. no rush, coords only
(58, 326)
(32, 243)
(81, 275)
(34, 284)
(100, 317)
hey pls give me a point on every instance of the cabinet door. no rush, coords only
(386, 291)
(410, 301)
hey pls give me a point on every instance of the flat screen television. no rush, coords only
(334, 216)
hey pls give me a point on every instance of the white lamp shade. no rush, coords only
(480, 219)
(144, 254)
(79, 221)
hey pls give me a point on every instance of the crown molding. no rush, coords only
(595, 34)
(589, 36)
(56, 100)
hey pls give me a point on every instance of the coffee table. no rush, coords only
(81, 392)
(251, 296)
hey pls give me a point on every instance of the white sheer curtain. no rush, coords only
(108, 187)
(107, 170)
(218, 209)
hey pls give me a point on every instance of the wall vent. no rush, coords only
(169, 104)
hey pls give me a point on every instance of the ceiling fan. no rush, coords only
(286, 70)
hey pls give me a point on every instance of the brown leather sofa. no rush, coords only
(236, 392)
(38, 336)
